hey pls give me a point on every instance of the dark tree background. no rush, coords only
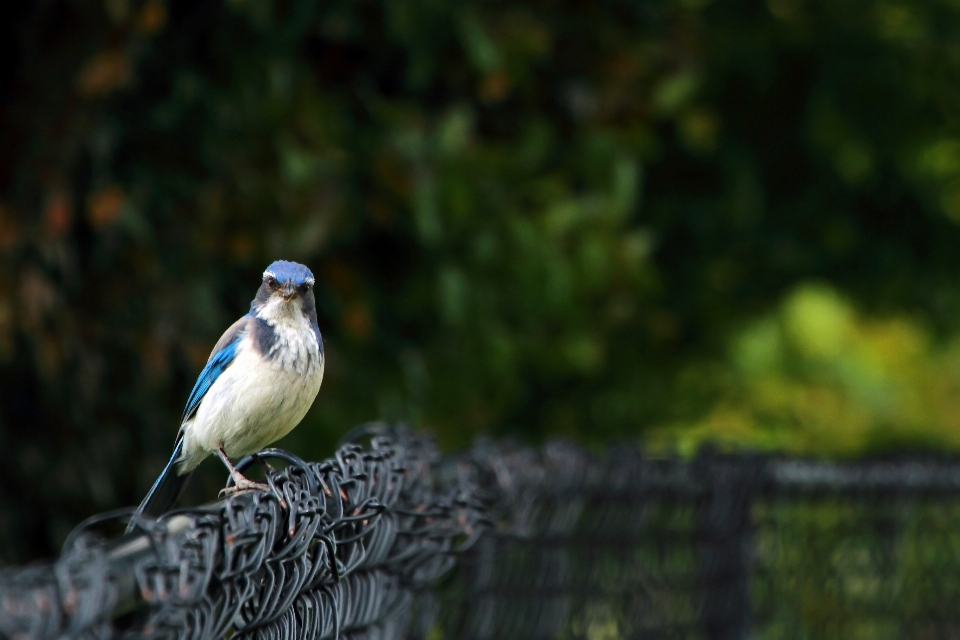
(679, 221)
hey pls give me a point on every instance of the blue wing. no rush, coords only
(223, 354)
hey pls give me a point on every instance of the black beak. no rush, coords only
(288, 291)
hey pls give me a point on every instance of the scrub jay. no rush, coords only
(261, 378)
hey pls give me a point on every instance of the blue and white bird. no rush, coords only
(259, 382)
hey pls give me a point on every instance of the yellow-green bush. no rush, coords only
(818, 376)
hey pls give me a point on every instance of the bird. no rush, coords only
(261, 378)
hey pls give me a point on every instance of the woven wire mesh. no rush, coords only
(719, 547)
(626, 547)
(336, 549)
(392, 540)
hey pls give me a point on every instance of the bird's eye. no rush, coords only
(303, 289)
(271, 282)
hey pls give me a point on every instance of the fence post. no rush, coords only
(730, 485)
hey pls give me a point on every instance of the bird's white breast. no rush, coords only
(259, 398)
(296, 348)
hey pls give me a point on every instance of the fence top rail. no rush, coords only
(628, 470)
(900, 476)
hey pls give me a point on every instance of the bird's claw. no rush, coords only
(249, 485)
(242, 484)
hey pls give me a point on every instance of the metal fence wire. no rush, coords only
(389, 539)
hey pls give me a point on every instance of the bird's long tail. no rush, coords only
(166, 490)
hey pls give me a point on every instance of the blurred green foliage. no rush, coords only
(817, 377)
(676, 219)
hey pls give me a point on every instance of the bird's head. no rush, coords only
(287, 287)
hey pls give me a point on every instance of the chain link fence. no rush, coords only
(389, 539)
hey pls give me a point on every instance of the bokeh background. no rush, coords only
(674, 221)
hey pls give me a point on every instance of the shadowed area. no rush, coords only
(674, 221)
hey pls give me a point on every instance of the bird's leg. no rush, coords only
(241, 483)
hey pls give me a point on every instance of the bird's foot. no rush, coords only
(241, 483)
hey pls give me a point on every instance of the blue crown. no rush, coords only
(284, 270)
